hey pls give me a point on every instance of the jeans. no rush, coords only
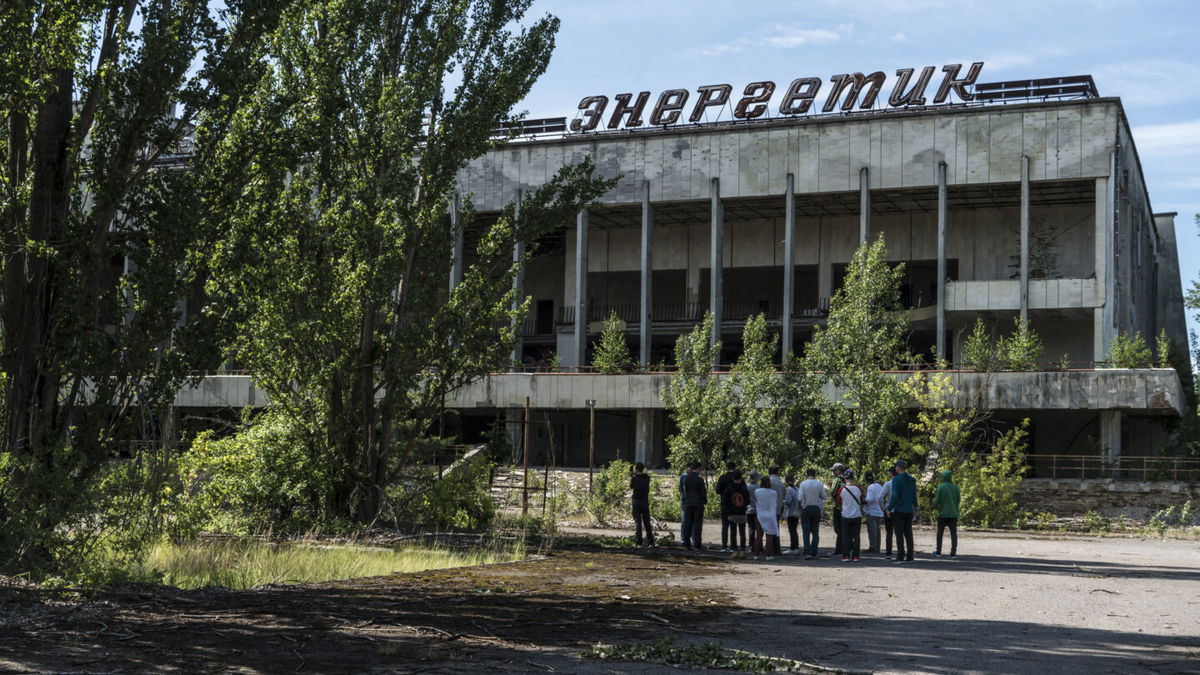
(810, 523)
(852, 532)
(693, 525)
(873, 533)
(793, 523)
(756, 535)
(904, 536)
(641, 518)
(772, 545)
(952, 523)
(726, 531)
(838, 543)
(887, 525)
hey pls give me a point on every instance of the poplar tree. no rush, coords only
(335, 270)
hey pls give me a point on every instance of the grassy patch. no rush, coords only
(704, 655)
(245, 563)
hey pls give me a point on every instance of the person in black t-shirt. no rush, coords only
(640, 484)
(727, 527)
(734, 500)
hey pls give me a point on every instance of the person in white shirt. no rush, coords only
(851, 498)
(766, 506)
(812, 507)
(887, 516)
(791, 509)
(874, 513)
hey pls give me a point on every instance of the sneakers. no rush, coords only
(954, 556)
(855, 559)
(845, 558)
(936, 554)
(724, 550)
(791, 551)
(770, 557)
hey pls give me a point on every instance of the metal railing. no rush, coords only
(1121, 467)
(735, 310)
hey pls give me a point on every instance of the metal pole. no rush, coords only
(789, 265)
(864, 204)
(941, 261)
(647, 275)
(591, 441)
(525, 460)
(716, 261)
(581, 290)
(1024, 237)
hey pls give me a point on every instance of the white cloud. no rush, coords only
(722, 49)
(1149, 82)
(1168, 140)
(899, 37)
(788, 37)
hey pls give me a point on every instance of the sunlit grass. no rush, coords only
(245, 563)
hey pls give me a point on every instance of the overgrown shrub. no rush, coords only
(989, 481)
(607, 498)
(1129, 351)
(612, 354)
(461, 499)
(262, 478)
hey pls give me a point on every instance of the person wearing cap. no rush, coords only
(884, 497)
(903, 506)
(838, 482)
(695, 496)
(812, 508)
(874, 512)
(946, 499)
(850, 496)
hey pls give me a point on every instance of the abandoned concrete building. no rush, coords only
(998, 209)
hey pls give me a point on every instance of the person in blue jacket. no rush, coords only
(903, 506)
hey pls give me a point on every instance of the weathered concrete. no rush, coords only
(1109, 498)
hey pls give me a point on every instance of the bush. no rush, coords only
(612, 354)
(461, 499)
(264, 478)
(1129, 352)
(608, 494)
(989, 481)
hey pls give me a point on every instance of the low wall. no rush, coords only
(1111, 498)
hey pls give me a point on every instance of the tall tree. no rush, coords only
(95, 240)
(335, 271)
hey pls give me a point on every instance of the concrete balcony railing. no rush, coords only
(1155, 391)
(1006, 295)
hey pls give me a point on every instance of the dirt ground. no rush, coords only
(1010, 604)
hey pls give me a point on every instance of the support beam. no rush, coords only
(716, 301)
(456, 249)
(1110, 434)
(1024, 273)
(864, 205)
(941, 260)
(581, 290)
(644, 435)
(789, 265)
(519, 290)
(647, 276)
(1107, 230)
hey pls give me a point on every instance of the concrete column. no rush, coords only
(941, 261)
(1110, 253)
(789, 265)
(647, 275)
(519, 289)
(513, 418)
(643, 444)
(581, 290)
(1104, 205)
(1110, 433)
(456, 249)
(1024, 273)
(864, 204)
(716, 302)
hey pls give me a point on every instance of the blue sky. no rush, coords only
(1144, 51)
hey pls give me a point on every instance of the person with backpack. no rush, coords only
(766, 539)
(947, 498)
(874, 512)
(734, 502)
(791, 510)
(723, 484)
(903, 507)
(695, 496)
(639, 483)
(838, 548)
(812, 509)
(851, 498)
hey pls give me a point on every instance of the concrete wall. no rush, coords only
(1065, 140)
(1111, 498)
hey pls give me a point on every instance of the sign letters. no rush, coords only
(848, 91)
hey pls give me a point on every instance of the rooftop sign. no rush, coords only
(848, 90)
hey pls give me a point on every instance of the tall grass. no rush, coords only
(245, 563)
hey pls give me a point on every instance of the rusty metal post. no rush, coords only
(525, 460)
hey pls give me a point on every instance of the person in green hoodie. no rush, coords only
(946, 499)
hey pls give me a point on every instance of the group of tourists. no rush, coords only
(754, 506)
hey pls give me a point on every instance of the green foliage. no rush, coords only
(1128, 351)
(333, 268)
(696, 656)
(989, 481)
(611, 355)
(461, 499)
(703, 404)
(1019, 350)
(761, 433)
(1162, 349)
(864, 336)
(264, 478)
(1094, 522)
(609, 494)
